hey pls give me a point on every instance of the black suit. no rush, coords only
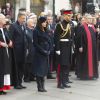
(19, 41)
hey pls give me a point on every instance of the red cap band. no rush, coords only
(67, 12)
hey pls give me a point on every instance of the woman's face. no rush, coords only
(44, 24)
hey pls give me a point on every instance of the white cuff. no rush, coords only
(58, 52)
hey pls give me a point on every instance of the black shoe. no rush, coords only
(32, 79)
(3, 93)
(66, 86)
(44, 90)
(40, 90)
(23, 87)
(50, 77)
(70, 82)
(60, 87)
(69, 75)
(17, 87)
(27, 80)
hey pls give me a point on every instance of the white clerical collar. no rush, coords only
(89, 25)
(1, 29)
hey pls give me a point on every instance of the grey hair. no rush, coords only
(88, 15)
(28, 20)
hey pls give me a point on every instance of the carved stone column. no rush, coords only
(17, 8)
(28, 5)
(46, 2)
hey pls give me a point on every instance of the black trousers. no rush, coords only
(40, 82)
(50, 67)
(27, 71)
(20, 69)
(63, 75)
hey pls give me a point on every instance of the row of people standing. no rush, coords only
(82, 37)
(32, 50)
(24, 50)
(25, 47)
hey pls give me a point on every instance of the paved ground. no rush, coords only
(81, 90)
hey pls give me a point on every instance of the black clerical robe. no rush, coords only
(86, 61)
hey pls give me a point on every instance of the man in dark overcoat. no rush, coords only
(17, 31)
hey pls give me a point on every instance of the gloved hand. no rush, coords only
(58, 52)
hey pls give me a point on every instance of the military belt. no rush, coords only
(64, 40)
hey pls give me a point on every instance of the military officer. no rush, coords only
(63, 47)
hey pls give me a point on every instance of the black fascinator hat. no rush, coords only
(42, 19)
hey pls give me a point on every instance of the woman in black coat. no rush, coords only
(42, 51)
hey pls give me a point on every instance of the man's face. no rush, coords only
(89, 20)
(68, 17)
(22, 19)
(3, 20)
(49, 20)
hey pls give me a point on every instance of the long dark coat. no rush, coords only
(30, 46)
(83, 61)
(19, 41)
(4, 61)
(42, 48)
